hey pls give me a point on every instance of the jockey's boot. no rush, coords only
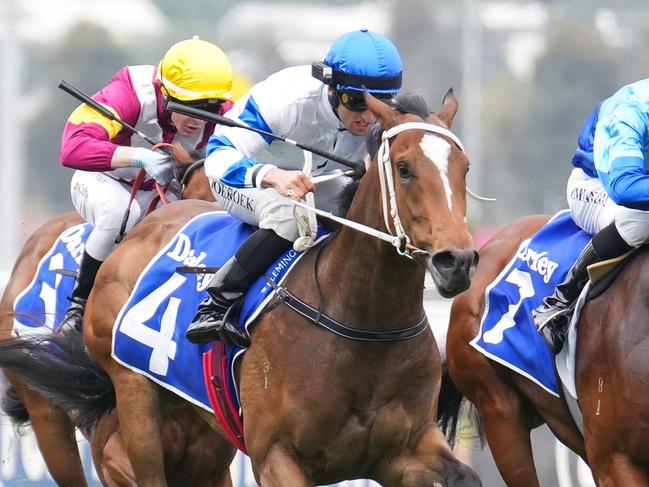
(553, 316)
(82, 285)
(213, 320)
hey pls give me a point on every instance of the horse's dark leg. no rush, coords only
(619, 470)
(611, 379)
(197, 451)
(508, 433)
(55, 435)
(279, 469)
(502, 409)
(109, 453)
(140, 419)
(429, 463)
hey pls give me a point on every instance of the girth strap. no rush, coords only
(332, 325)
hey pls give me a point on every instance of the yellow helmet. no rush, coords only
(194, 70)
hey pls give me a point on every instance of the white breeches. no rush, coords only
(592, 210)
(102, 201)
(266, 208)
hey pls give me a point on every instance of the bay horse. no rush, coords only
(611, 371)
(54, 430)
(318, 407)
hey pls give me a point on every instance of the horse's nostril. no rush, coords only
(476, 259)
(452, 261)
(445, 261)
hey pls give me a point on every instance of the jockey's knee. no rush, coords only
(633, 226)
(101, 242)
(111, 214)
(281, 219)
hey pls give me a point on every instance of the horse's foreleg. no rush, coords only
(506, 425)
(109, 454)
(427, 463)
(508, 433)
(279, 469)
(55, 435)
(140, 419)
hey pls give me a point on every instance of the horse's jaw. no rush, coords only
(452, 270)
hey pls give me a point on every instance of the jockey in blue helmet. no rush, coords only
(253, 177)
(358, 61)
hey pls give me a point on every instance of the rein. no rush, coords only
(135, 187)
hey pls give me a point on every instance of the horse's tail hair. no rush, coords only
(452, 406)
(13, 407)
(59, 367)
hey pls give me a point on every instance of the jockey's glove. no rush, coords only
(157, 165)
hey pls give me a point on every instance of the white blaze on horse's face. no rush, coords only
(437, 150)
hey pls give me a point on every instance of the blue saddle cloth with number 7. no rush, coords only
(507, 333)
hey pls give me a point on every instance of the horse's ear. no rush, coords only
(449, 108)
(385, 115)
(180, 154)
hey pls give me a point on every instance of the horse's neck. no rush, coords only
(376, 284)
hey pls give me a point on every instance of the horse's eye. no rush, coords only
(404, 170)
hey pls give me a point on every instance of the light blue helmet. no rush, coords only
(361, 60)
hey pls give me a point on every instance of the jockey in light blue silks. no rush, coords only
(608, 195)
(321, 105)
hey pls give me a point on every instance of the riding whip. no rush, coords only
(79, 95)
(221, 120)
(82, 97)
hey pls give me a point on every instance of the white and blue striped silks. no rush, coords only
(290, 103)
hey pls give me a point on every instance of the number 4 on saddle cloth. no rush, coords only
(507, 333)
(149, 332)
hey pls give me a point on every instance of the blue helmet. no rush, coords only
(362, 60)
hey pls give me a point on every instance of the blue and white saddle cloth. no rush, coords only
(40, 307)
(149, 332)
(507, 333)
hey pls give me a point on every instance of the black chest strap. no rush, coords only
(320, 319)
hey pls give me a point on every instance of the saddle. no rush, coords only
(602, 274)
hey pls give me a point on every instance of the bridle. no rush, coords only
(399, 239)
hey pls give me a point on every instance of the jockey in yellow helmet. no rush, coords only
(108, 156)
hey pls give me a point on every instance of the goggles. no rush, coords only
(355, 101)
(212, 105)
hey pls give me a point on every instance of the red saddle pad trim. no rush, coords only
(215, 370)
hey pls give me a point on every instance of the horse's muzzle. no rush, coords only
(452, 270)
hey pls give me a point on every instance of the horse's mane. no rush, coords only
(411, 103)
(403, 103)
